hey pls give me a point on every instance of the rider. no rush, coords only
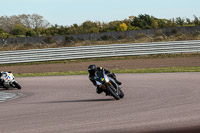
(92, 69)
(1, 74)
(1, 80)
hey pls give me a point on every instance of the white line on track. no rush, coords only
(4, 96)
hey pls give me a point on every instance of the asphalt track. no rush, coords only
(153, 103)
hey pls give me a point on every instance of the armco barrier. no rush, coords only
(64, 53)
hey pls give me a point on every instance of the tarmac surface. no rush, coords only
(153, 103)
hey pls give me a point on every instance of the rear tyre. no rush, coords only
(17, 85)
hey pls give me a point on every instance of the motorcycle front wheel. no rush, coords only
(121, 94)
(113, 93)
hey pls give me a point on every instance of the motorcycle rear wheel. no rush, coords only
(17, 85)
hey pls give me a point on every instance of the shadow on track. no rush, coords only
(4, 89)
(195, 129)
(79, 101)
(183, 130)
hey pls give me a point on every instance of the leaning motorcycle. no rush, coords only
(8, 81)
(109, 85)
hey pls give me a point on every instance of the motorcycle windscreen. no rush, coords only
(100, 74)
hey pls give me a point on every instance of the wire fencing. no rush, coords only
(99, 36)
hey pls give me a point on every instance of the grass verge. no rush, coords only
(150, 70)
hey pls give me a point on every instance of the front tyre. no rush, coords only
(121, 94)
(113, 93)
(17, 85)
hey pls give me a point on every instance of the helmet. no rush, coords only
(92, 69)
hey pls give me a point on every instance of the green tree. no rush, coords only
(170, 23)
(180, 21)
(74, 29)
(133, 28)
(62, 30)
(2, 31)
(31, 33)
(90, 27)
(154, 23)
(4, 35)
(113, 26)
(162, 23)
(188, 21)
(142, 21)
(19, 30)
(196, 20)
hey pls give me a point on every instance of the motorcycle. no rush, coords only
(109, 85)
(8, 81)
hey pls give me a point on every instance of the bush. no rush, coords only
(121, 37)
(30, 33)
(49, 39)
(140, 35)
(159, 32)
(4, 35)
(69, 38)
(174, 31)
(196, 32)
(105, 37)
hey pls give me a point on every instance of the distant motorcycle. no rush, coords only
(8, 81)
(109, 85)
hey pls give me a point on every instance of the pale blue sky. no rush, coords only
(68, 12)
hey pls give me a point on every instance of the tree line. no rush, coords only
(27, 25)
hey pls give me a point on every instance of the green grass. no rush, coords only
(160, 70)
(51, 74)
(151, 70)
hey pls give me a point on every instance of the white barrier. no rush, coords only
(112, 50)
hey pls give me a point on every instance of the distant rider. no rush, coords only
(92, 69)
(1, 77)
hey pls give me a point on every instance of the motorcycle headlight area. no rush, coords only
(106, 79)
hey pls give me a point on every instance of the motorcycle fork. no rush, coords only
(117, 89)
(105, 86)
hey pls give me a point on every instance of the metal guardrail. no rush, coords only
(112, 50)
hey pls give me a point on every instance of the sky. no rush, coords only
(69, 12)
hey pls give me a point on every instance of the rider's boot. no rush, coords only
(99, 90)
(1, 83)
(107, 94)
(4, 86)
